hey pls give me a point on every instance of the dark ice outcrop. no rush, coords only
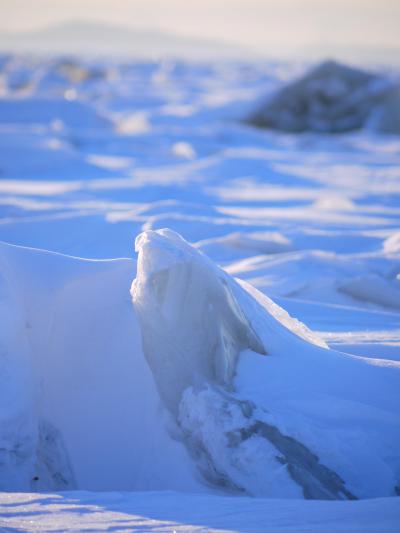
(332, 98)
(237, 446)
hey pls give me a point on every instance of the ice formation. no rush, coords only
(196, 322)
(193, 328)
(311, 220)
(226, 390)
(332, 98)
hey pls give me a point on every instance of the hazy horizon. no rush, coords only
(289, 27)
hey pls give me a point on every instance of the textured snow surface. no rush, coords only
(182, 512)
(269, 368)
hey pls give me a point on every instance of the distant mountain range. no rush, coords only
(103, 39)
(96, 38)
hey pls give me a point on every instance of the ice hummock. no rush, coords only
(197, 323)
(332, 98)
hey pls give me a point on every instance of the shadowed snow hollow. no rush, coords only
(253, 423)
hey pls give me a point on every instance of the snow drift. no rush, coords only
(332, 98)
(78, 404)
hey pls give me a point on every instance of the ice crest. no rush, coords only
(193, 328)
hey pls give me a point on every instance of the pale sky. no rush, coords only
(254, 23)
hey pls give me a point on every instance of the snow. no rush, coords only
(58, 113)
(255, 363)
(182, 512)
(197, 323)
(74, 360)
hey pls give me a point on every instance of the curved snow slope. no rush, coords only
(304, 420)
(78, 405)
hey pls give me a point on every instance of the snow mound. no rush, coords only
(325, 276)
(238, 245)
(374, 289)
(332, 98)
